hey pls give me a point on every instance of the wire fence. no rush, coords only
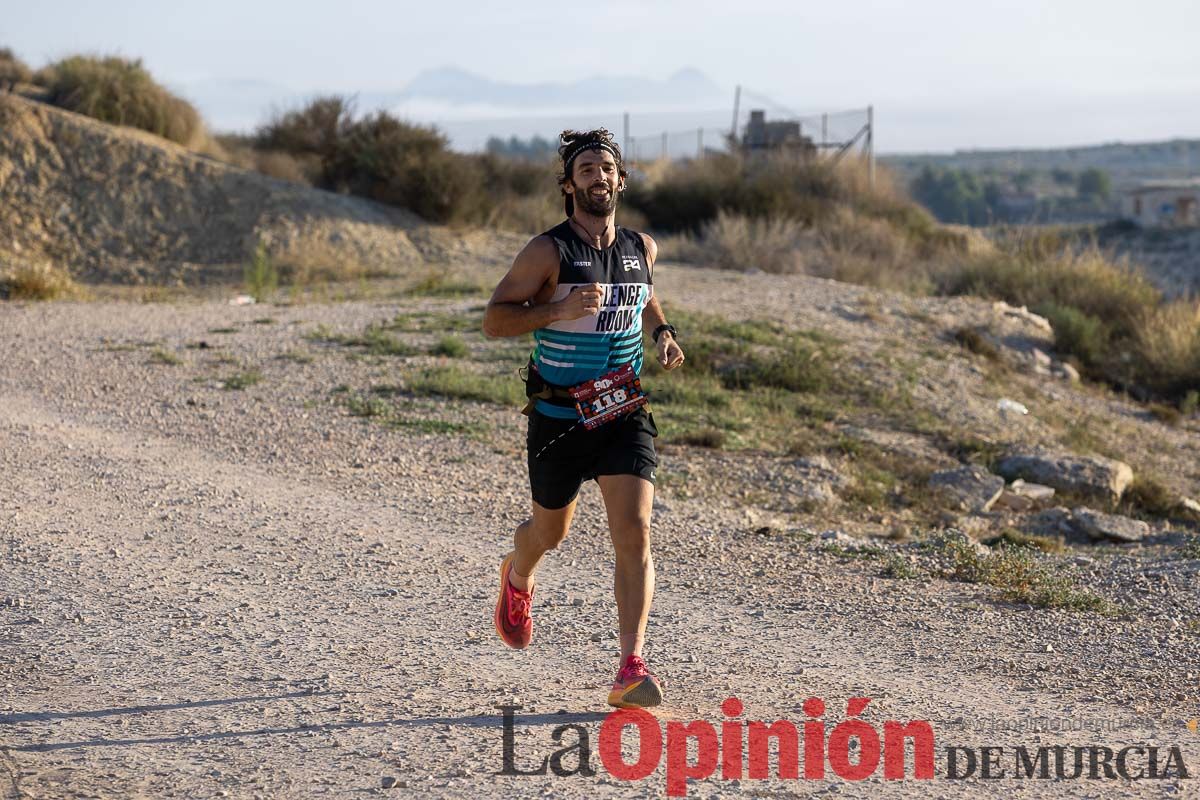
(756, 122)
(758, 127)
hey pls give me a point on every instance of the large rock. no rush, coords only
(1092, 476)
(968, 488)
(1109, 526)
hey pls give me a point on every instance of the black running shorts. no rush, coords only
(560, 461)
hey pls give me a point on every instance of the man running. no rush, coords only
(584, 289)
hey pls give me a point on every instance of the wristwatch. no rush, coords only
(659, 331)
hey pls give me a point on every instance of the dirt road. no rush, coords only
(209, 592)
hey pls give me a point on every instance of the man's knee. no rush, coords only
(550, 536)
(631, 538)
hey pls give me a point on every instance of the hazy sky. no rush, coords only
(948, 73)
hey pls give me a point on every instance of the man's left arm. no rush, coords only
(668, 351)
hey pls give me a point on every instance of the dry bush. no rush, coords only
(1026, 274)
(317, 129)
(868, 250)
(12, 69)
(121, 92)
(37, 281)
(314, 260)
(736, 242)
(283, 166)
(1167, 348)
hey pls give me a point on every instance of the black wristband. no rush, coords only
(659, 331)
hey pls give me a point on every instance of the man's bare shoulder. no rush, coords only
(540, 250)
(651, 246)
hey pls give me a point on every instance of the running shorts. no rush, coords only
(562, 454)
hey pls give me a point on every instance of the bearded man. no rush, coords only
(585, 289)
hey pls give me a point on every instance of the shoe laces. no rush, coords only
(518, 605)
(634, 667)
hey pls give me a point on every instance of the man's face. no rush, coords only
(595, 182)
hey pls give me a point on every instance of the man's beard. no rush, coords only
(594, 206)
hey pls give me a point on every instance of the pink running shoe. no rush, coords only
(513, 621)
(635, 687)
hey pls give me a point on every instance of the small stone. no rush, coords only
(577, 602)
(1067, 372)
(1049, 648)
(387, 781)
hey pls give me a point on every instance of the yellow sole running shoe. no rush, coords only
(514, 622)
(635, 687)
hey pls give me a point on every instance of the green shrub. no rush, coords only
(449, 346)
(317, 129)
(121, 92)
(260, 276)
(242, 380)
(1078, 333)
(689, 195)
(464, 384)
(976, 341)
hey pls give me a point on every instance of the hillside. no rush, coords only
(119, 205)
(1126, 163)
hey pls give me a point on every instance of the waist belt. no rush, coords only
(536, 388)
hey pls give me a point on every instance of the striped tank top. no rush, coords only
(568, 352)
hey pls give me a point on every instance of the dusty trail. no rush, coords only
(265, 603)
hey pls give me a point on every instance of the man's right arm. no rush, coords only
(512, 312)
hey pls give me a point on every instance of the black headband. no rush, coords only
(587, 146)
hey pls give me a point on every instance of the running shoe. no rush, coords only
(635, 687)
(513, 620)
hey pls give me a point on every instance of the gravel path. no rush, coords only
(252, 594)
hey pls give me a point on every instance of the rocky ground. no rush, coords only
(250, 592)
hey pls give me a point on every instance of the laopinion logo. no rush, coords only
(633, 744)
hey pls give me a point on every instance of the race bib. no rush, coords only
(608, 397)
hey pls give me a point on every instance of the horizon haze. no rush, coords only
(1017, 75)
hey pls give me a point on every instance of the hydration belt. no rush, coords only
(537, 388)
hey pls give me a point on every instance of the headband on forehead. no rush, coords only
(587, 146)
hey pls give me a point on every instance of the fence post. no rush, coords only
(700, 143)
(871, 147)
(665, 154)
(824, 131)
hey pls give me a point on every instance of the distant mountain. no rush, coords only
(687, 88)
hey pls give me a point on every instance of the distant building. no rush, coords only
(1162, 204)
(761, 135)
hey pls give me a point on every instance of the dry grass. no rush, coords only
(1167, 342)
(38, 281)
(1106, 314)
(736, 242)
(12, 69)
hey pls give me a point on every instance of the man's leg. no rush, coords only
(544, 531)
(628, 500)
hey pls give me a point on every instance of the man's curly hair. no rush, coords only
(571, 144)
